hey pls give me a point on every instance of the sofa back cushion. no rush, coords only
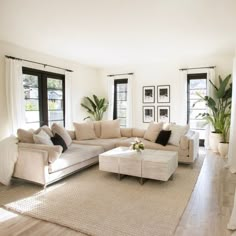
(97, 128)
(153, 131)
(84, 131)
(126, 132)
(139, 133)
(58, 129)
(177, 131)
(110, 129)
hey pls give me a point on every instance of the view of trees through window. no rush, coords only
(44, 98)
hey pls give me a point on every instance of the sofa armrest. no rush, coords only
(54, 152)
(32, 165)
(193, 145)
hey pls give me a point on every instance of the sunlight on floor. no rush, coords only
(6, 215)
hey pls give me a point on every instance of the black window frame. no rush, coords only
(42, 90)
(117, 82)
(190, 77)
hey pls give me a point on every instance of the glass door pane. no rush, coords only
(55, 95)
(31, 95)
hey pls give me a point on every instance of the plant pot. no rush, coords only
(214, 140)
(223, 149)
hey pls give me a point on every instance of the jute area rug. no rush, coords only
(97, 203)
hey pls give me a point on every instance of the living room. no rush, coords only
(153, 44)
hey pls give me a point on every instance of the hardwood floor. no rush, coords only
(207, 213)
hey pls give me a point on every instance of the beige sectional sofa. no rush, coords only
(44, 164)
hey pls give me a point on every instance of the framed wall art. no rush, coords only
(148, 94)
(163, 93)
(148, 114)
(163, 113)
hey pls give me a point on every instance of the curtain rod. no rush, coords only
(194, 68)
(35, 62)
(121, 74)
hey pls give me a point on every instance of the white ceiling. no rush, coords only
(120, 32)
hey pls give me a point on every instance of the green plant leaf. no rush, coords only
(221, 91)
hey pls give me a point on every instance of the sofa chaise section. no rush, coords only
(34, 163)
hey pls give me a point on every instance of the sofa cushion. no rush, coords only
(56, 128)
(177, 131)
(107, 144)
(58, 140)
(42, 138)
(72, 134)
(139, 133)
(163, 137)
(25, 136)
(84, 131)
(126, 132)
(97, 128)
(153, 131)
(76, 153)
(110, 129)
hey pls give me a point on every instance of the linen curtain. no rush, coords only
(130, 101)
(110, 89)
(68, 100)
(14, 95)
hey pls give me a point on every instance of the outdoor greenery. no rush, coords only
(95, 107)
(219, 106)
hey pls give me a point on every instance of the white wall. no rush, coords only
(84, 80)
(166, 73)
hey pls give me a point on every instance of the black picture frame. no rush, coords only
(148, 94)
(163, 114)
(163, 93)
(148, 114)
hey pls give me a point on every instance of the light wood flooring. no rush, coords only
(207, 212)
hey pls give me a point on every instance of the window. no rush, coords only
(196, 83)
(120, 101)
(44, 94)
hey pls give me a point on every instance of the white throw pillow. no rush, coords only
(177, 131)
(84, 131)
(110, 129)
(56, 128)
(42, 138)
(153, 131)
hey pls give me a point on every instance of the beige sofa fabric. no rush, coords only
(110, 129)
(139, 133)
(76, 153)
(107, 144)
(54, 152)
(97, 128)
(153, 131)
(46, 129)
(177, 131)
(84, 131)
(72, 134)
(62, 132)
(126, 132)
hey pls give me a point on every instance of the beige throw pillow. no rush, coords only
(84, 131)
(25, 136)
(56, 128)
(153, 131)
(110, 129)
(177, 131)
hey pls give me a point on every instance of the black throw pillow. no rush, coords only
(163, 137)
(58, 140)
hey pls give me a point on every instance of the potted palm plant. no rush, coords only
(219, 111)
(95, 107)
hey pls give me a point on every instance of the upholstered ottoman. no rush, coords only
(150, 164)
(160, 165)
